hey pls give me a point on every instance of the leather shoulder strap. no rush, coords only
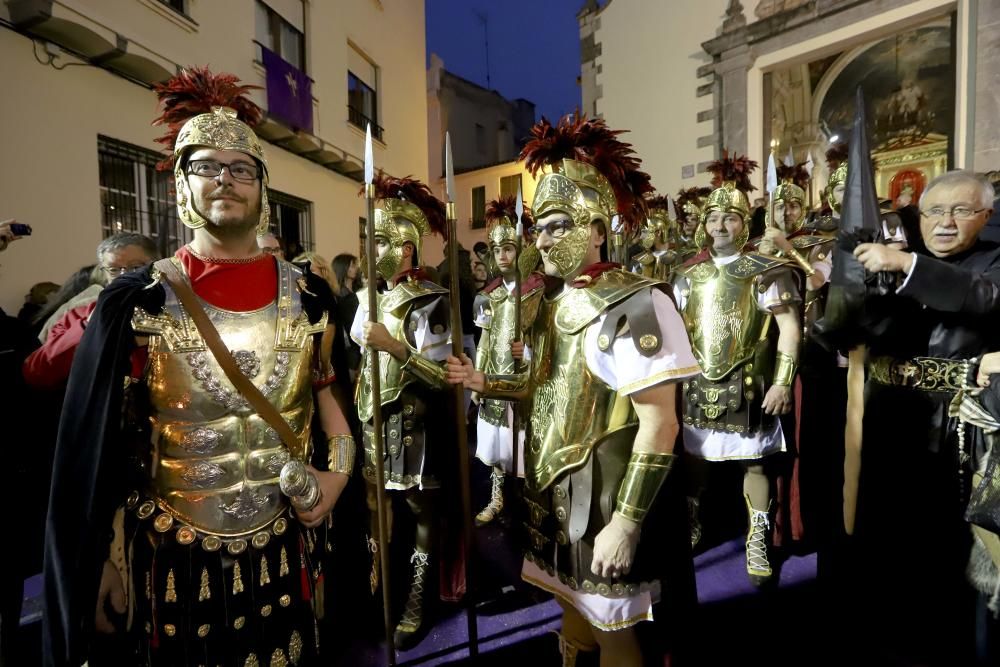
(182, 288)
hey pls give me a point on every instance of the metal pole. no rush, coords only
(376, 386)
(459, 399)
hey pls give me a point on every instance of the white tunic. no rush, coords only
(494, 444)
(433, 344)
(627, 371)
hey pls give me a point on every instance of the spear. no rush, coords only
(518, 243)
(375, 380)
(772, 185)
(809, 170)
(463, 447)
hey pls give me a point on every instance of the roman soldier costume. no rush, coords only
(601, 338)
(660, 241)
(415, 312)
(828, 222)
(688, 207)
(727, 304)
(216, 567)
(495, 312)
(812, 249)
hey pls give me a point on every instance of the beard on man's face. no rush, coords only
(225, 208)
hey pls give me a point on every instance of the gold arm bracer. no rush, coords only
(427, 371)
(643, 479)
(341, 450)
(511, 387)
(784, 370)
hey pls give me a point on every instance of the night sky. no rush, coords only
(534, 48)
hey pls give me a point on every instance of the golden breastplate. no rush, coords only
(215, 462)
(394, 307)
(571, 408)
(721, 314)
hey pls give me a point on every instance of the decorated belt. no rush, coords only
(925, 373)
(185, 534)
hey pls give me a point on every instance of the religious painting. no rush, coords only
(909, 85)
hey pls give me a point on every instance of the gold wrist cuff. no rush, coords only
(643, 479)
(425, 370)
(505, 386)
(341, 450)
(807, 268)
(784, 370)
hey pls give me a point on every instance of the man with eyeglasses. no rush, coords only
(271, 244)
(924, 341)
(167, 525)
(48, 367)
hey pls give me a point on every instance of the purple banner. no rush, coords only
(289, 93)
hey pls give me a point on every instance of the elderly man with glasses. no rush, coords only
(48, 367)
(924, 340)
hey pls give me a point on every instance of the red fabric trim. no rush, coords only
(788, 525)
(533, 281)
(417, 273)
(324, 382)
(702, 256)
(140, 356)
(593, 272)
(237, 287)
(497, 282)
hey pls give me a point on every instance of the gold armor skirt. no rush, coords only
(198, 599)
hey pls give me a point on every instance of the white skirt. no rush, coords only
(608, 614)
(494, 444)
(723, 446)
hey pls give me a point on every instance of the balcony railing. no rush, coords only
(358, 119)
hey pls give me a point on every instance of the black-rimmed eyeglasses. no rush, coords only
(244, 172)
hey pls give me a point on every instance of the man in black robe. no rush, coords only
(924, 331)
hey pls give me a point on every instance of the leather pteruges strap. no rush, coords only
(638, 312)
(263, 407)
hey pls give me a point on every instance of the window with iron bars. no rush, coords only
(291, 219)
(135, 197)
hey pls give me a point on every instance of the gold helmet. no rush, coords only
(837, 177)
(731, 183)
(501, 221)
(836, 161)
(661, 224)
(590, 176)
(793, 179)
(405, 212)
(206, 110)
(689, 205)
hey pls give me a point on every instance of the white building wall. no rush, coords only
(49, 124)
(650, 51)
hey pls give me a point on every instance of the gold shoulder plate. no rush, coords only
(530, 303)
(585, 304)
(499, 294)
(408, 291)
(752, 264)
(700, 272)
(809, 241)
